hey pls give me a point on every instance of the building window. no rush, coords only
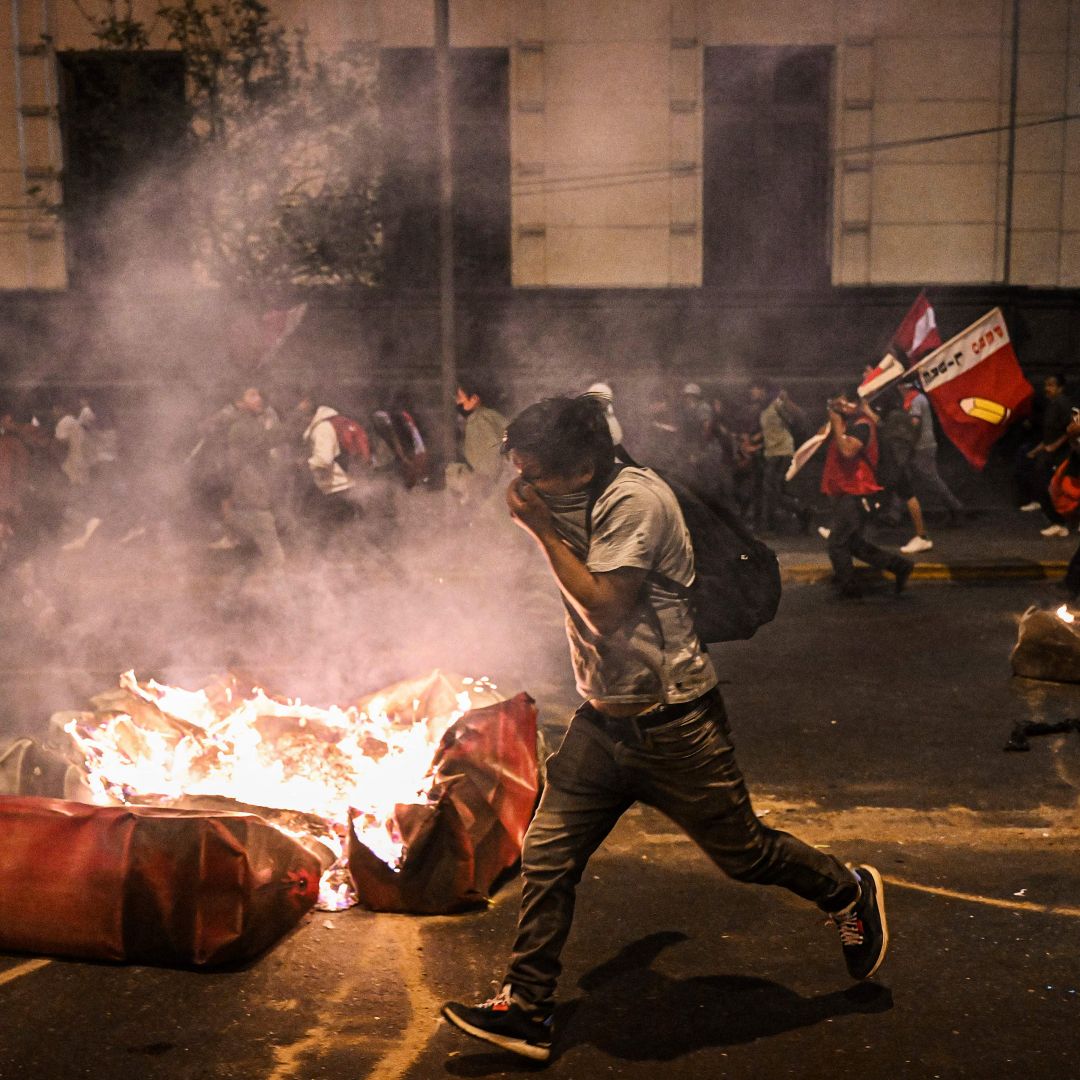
(480, 132)
(122, 116)
(766, 168)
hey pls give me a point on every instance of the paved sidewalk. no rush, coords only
(993, 544)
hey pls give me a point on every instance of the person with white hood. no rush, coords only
(333, 497)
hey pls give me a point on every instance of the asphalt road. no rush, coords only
(873, 729)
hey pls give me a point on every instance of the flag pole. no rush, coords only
(447, 351)
(1010, 168)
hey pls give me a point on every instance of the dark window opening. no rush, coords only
(123, 115)
(766, 168)
(480, 133)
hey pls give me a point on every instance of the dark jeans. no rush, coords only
(685, 768)
(774, 496)
(847, 542)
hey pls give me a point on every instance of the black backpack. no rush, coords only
(736, 585)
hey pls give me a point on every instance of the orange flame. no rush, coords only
(345, 767)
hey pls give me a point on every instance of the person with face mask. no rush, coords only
(477, 479)
(652, 726)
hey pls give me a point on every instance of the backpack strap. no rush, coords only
(597, 486)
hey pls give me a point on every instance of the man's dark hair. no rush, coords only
(482, 384)
(563, 434)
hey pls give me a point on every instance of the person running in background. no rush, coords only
(898, 434)
(1049, 452)
(849, 479)
(924, 460)
(777, 419)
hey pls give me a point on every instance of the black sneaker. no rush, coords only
(864, 934)
(503, 1022)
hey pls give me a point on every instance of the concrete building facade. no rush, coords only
(610, 149)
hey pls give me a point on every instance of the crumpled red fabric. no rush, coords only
(147, 884)
(470, 833)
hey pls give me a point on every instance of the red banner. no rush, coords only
(976, 387)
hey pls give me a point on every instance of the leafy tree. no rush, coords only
(282, 162)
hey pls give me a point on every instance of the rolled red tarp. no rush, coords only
(459, 843)
(147, 884)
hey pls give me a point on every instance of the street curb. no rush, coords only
(968, 572)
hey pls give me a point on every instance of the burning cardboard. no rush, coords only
(415, 799)
(469, 832)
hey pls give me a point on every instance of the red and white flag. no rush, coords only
(275, 326)
(918, 334)
(976, 387)
(885, 374)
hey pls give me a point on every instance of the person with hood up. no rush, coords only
(333, 494)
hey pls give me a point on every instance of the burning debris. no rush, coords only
(413, 799)
(1048, 645)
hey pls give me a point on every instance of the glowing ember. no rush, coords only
(324, 769)
(1065, 615)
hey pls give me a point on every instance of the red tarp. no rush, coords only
(147, 885)
(482, 801)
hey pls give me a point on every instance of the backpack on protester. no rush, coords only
(352, 440)
(736, 586)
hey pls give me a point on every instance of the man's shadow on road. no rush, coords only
(633, 1013)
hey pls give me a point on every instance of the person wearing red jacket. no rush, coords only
(849, 479)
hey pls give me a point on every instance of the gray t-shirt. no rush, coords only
(655, 656)
(921, 411)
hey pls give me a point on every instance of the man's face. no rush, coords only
(252, 400)
(530, 470)
(1051, 387)
(466, 402)
(758, 395)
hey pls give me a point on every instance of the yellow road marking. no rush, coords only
(23, 969)
(423, 1008)
(989, 901)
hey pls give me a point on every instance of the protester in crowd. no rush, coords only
(849, 479)
(652, 726)
(673, 442)
(209, 461)
(695, 412)
(330, 497)
(749, 460)
(77, 459)
(397, 427)
(603, 392)
(14, 481)
(1061, 503)
(661, 441)
(1049, 452)
(898, 434)
(778, 416)
(477, 480)
(252, 436)
(924, 468)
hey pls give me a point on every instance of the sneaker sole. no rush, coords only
(879, 886)
(515, 1046)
